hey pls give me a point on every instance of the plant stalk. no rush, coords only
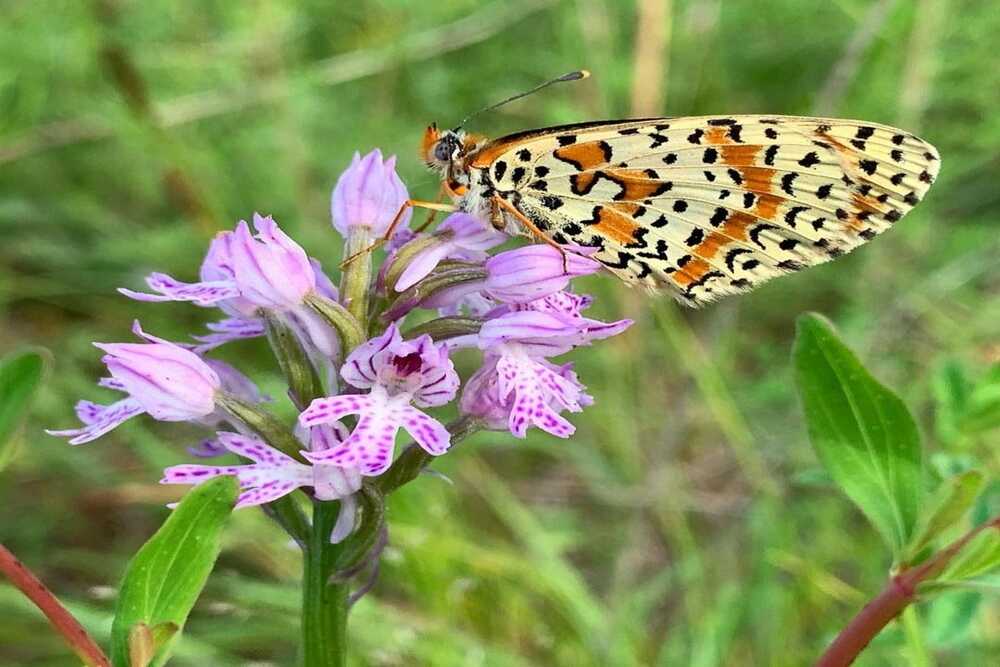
(898, 594)
(62, 620)
(324, 602)
(356, 280)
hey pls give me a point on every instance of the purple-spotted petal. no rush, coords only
(427, 432)
(228, 330)
(533, 386)
(370, 445)
(362, 365)
(206, 293)
(333, 408)
(271, 476)
(98, 420)
(208, 448)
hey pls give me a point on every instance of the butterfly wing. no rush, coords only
(703, 207)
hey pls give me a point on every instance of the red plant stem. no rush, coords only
(898, 593)
(60, 618)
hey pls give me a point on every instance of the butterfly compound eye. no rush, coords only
(444, 151)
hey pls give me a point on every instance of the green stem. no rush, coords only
(303, 380)
(324, 602)
(357, 276)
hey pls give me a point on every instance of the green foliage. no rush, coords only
(975, 565)
(966, 408)
(951, 501)
(166, 576)
(862, 432)
(20, 376)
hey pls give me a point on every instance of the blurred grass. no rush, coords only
(686, 522)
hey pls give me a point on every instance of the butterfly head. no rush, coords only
(441, 150)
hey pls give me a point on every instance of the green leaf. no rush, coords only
(20, 376)
(981, 556)
(166, 576)
(950, 502)
(861, 431)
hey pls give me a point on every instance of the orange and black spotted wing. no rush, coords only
(709, 206)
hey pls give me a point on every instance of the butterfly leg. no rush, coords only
(432, 212)
(409, 203)
(531, 227)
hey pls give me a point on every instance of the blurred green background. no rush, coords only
(687, 522)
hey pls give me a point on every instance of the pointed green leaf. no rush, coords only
(20, 375)
(950, 502)
(861, 431)
(981, 556)
(166, 576)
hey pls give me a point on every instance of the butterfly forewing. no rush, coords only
(709, 206)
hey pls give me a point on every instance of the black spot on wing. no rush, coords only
(733, 254)
(755, 233)
(868, 166)
(793, 213)
(770, 154)
(696, 237)
(809, 159)
(719, 216)
(552, 203)
(786, 183)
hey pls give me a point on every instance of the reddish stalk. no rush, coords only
(899, 592)
(60, 618)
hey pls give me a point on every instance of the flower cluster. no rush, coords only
(513, 306)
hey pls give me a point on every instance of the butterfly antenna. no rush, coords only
(571, 76)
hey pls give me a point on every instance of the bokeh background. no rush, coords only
(687, 522)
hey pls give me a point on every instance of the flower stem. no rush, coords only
(357, 276)
(899, 592)
(76, 637)
(324, 602)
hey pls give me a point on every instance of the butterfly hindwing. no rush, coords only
(708, 206)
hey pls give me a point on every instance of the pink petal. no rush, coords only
(255, 450)
(204, 293)
(427, 432)
(333, 408)
(101, 421)
(369, 446)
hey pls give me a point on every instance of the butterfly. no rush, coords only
(697, 207)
